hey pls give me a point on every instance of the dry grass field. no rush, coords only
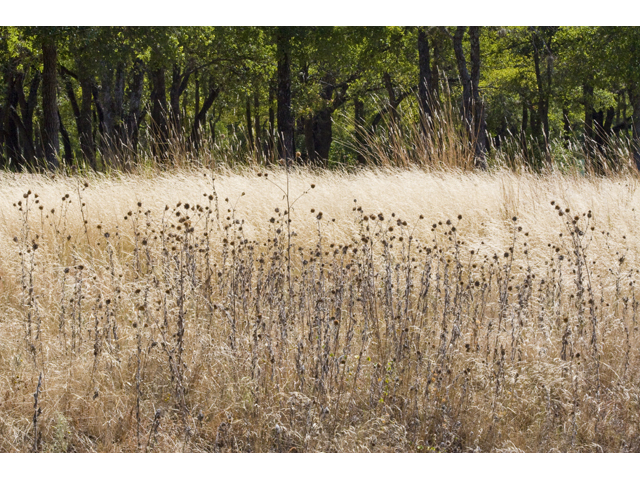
(383, 311)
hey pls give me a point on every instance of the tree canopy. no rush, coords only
(109, 97)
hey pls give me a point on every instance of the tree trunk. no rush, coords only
(71, 95)
(425, 80)
(544, 90)
(27, 107)
(51, 122)
(322, 136)
(133, 117)
(249, 124)
(66, 142)
(566, 123)
(435, 72)
(587, 100)
(118, 105)
(197, 92)
(479, 121)
(465, 78)
(358, 107)
(3, 160)
(393, 101)
(634, 97)
(608, 121)
(286, 140)
(10, 123)
(309, 143)
(105, 98)
(174, 101)
(472, 108)
(85, 126)
(271, 141)
(523, 130)
(256, 116)
(159, 121)
(179, 83)
(202, 115)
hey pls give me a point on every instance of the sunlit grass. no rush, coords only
(401, 310)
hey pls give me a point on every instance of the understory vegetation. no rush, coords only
(260, 310)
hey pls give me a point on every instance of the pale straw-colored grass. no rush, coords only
(260, 368)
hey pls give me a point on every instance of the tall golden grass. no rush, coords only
(398, 310)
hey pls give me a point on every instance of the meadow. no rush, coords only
(379, 310)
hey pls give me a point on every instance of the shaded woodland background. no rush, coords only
(107, 98)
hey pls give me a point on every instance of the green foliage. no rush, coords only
(572, 73)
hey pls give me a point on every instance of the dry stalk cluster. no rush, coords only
(176, 329)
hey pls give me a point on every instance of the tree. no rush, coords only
(286, 142)
(425, 78)
(51, 119)
(472, 108)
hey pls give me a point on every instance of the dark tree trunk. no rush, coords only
(479, 122)
(587, 100)
(118, 104)
(286, 125)
(105, 99)
(3, 160)
(85, 125)
(38, 132)
(566, 124)
(473, 110)
(256, 122)
(425, 81)
(133, 117)
(174, 100)
(66, 142)
(202, 115)
(322, 135)
(543, 81)
(98, 116)
(159, 121)
(333, 96)
(435, 72)
(179, 83)
(523, 129)
(271, 146)
(465, 78)
(110, 99)
(608, 121)
(393, 100)
(12, 142)
(309, 143)
(71, 95)
(197, 91)
(27, 107)
(534, 120)
(602, 122)
(249, 123)
(634, 97)
(358, 107)
(51, 123)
